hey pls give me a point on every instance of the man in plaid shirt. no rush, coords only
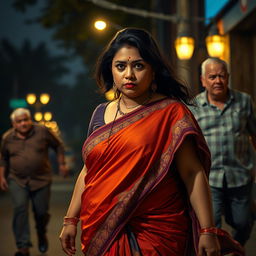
(228, 121)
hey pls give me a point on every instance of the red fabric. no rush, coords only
(131, 183)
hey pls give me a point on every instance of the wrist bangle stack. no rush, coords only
(209, 231)
(70, 221)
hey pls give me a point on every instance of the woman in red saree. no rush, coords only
(143, 189)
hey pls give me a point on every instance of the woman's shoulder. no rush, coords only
(97, 119)
(175, 104)
(101, 107)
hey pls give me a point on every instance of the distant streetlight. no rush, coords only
(38, 116)
(31, 98)
(37, 103)
(100, 24)
(47, 116)
(44, 98)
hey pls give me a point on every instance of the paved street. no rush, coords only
(61, 193)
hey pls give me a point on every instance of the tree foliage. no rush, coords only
(73, 23)
(27, 70)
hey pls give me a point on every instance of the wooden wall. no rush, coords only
(243, 62)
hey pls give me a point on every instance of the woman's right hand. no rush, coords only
(68, 239)
(208, 245)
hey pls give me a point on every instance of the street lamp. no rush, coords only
(184, 46)
(100, 24)
(44, 98)
(38, 116)
(47, 116)
(38, 102)
(31, 98)
(215, 43)
(43, 117)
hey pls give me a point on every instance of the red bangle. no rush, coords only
(210, 230)
(70, 221)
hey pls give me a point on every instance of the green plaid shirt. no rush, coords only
(227, 133)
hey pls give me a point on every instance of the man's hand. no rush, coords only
(3, 184)
(63, 170)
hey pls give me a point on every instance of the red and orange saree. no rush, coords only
(134, 202)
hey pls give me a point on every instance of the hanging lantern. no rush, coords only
(184, 47)
(215, 45)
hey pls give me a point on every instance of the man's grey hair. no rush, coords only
(18, 112)
(215, 61)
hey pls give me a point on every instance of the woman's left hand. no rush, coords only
(208, 245)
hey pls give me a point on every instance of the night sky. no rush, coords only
(14, 28)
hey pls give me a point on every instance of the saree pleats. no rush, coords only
(134, 202)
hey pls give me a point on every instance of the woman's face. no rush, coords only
(132, 75)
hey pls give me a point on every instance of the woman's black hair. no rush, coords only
(149, 51)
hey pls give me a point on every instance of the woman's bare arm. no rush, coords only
(75, 203)
(68, 232)
(195, 180)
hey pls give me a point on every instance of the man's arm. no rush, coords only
(3, 182)
(56, 143)
(63, 169)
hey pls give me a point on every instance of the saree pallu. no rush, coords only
(134, 202)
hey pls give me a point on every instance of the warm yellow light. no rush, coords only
(38, 116)
(184, 47)
(47, 116)
(31, 98)
(215, 45)
(53, 126)
(100, 24)
(47, 124)
(44, 98)
(110, 95)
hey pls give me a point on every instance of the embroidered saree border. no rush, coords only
(103, 132)
(130, 200)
